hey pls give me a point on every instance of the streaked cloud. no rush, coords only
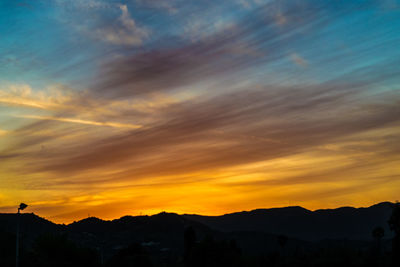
(23, 95)
(3, 132)
(125, 32)
(171, 6)
(297, 59)
(144, 106)
(73, 120)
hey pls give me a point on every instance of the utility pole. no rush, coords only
(22, 206)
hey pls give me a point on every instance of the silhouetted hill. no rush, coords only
(254, 231)
(164, 231)
(30, 224)
(342, 223)
(161, 232)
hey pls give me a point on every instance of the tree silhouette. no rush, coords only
(378, 234)
(132, 256)
(394, 220)
(282, 241)
(56, 250)
(215, 253)
(189, 243)
(7, 249)
(394, 224)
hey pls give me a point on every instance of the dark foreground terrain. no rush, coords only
(291, 236)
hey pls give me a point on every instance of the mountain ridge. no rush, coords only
(257, 210)
(340, 223)
(294, 221)
(255, 231)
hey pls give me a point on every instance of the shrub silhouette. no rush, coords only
(56, 250)
(213, 253)
(7, 249)
(133, 256)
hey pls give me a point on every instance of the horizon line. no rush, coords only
(194, 214)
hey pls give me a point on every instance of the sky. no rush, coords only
(109, 108)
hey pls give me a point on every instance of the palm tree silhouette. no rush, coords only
(394, 224)
(378, 233)
(282, 240)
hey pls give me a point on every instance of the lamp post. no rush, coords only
(22, 206)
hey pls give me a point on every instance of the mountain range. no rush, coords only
(254, 230)
(341, 223)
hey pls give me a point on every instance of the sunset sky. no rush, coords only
(110, 108)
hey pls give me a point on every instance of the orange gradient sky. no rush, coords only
(112, 108)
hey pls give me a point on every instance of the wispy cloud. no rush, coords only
(171, 6)
(74, 120)
(3, 132)
(125, 32)
(23, 95)
(297, 59)
(173, 104)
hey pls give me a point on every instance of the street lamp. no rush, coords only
(22, 206)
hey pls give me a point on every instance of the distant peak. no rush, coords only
(291, 209)
(88, 220)
(383, 204)
(165, 213)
